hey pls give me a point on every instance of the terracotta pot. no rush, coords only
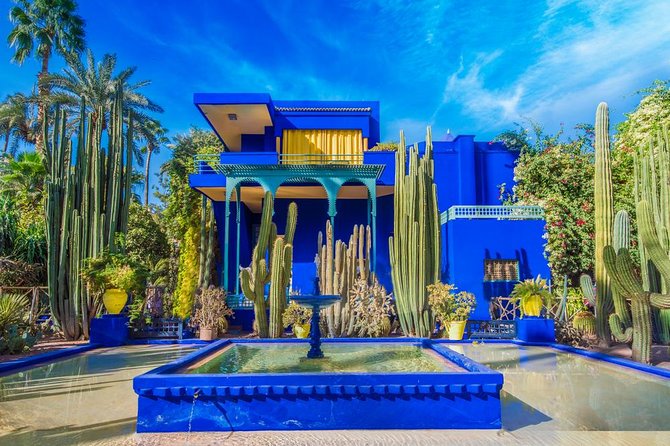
(301, 330)
(114, 300)
(207, 334)
(455, 330)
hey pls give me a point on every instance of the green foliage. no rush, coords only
(181, 213)
(187, 276)
(558, 175)
(211, 310)
(114, 270)
(14, 309)
(296, 314)
(449, 306)
(8, 225)
(45, 27)
(18, 122)
(414, 248)
(531, 294)
(16, 340)
(146, 241)
(16, 333)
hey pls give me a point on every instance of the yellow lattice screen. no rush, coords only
(322, 146)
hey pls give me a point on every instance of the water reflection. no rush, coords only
(575, 392)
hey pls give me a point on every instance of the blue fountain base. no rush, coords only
(171, 401)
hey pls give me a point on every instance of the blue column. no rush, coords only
(238, 194)
(226, 242)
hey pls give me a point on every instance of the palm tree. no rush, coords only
(23, 178)
(45, 26)
(96, 84)
(17, 120)
(154, 135)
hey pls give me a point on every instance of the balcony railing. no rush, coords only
(319, 158)
(211, 163)
(495, 212)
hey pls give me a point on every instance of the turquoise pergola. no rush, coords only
(271, 176)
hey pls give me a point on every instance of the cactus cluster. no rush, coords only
(648, 314)
(339, 265)
(414, 248)
(87, 201)
(271, 263)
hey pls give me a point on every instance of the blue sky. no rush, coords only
(472, 67)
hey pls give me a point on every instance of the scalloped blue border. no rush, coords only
(16, 365)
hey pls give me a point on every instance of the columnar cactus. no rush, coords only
(652, 184)
(260, 272)
(414, 248)
(86, 206)
(339, 266)
(621, 271)
(588, 290)
(621, 239)
(603, 220)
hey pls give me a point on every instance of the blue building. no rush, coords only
(317, 153)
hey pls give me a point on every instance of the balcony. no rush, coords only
(215, 163)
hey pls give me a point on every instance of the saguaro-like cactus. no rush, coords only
(414, 248)
(339, 266)
(652, 185)
(86, 206)
(260, 272)
(603, 220)
(620, 269)
(620, 319)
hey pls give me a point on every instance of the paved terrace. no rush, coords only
(549, 398)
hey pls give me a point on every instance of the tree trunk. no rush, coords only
(4, 150)
(43, 92)
(147, 163)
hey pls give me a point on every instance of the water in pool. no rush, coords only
(340, 357)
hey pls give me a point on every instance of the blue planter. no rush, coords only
(110, 330)
(535, 329)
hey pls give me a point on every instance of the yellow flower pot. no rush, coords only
(301, 330)
(114, 300)
(532, 306)
(455, 330)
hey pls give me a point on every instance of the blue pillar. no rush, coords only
(226, 242)
(467, 191)
(238, 194)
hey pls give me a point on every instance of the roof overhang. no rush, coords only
(233, 114)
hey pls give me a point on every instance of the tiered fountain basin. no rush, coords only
(360, 384)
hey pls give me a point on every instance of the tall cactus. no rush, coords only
(339, 266)
(652, 184)
(620, 269)
(620, 320)
(414, 248)
(603, 220)
(262, 271)
(87, 200)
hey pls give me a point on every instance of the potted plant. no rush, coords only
(211, 312)
(451, 309)
(531, 295)
(297, 317)
(113, 276)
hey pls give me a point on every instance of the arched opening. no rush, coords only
(311, 197)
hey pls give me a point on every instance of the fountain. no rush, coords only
(316, 303)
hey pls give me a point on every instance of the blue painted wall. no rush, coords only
(470, 242)
(467, 172)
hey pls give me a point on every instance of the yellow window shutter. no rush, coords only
(322, 146)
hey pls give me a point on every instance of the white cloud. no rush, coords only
(613, 50)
